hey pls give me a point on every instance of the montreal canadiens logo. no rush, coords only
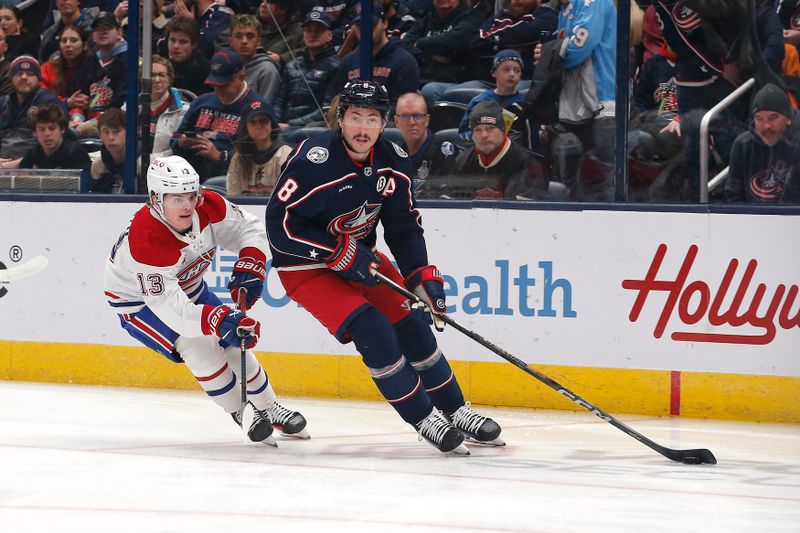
(358, 222)
(317, 155)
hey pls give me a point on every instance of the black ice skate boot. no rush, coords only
(441, 434)
(260, 429)
(476, 428)
(289, 423)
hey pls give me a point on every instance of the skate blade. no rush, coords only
(496, 442)
(270, 441)
(461, 449)
(302, 434)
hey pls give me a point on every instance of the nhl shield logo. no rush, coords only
(368, 171)
(317, 155)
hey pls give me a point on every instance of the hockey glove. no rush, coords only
(232, 327)
(427, 283)
(248, 274)
(353, 261)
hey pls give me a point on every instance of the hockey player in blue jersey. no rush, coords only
(321, 224)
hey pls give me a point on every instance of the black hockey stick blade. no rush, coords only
(690, 457)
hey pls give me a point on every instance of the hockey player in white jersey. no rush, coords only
(154, 281)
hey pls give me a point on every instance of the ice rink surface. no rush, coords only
(93, 459)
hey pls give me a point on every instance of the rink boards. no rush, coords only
(693, 314)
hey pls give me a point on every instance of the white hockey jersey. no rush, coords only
(152, 265)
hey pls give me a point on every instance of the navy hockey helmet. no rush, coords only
(366, 94)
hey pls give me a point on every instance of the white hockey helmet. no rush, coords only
(171, 174)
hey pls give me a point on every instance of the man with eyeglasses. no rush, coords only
(429, 157)
(322, 226)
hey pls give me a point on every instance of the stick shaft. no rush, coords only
(675, 455)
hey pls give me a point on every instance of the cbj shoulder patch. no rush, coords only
(317, 155)
(399, 150)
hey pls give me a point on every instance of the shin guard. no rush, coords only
(397, 381)
(418, 344)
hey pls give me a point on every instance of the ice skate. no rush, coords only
(441, 434)
(289, 423)
(260, 429)
(476, 428)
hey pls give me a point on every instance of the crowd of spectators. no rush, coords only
(502, 99)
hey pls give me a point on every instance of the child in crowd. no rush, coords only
(109, 169)
(53, 151)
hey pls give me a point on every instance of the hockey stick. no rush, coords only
(29, 268)
(691, 457)
(241, 304)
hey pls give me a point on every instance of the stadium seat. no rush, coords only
(462, 95)
(394, 135)
(295, 136)
(217, 184)
(90, 145)
(186, 95)
(557, 192)
(452, 135)
(445, 115)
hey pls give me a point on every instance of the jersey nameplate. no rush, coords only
(317, 155)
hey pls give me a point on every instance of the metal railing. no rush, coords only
(705, 186)
(37, 180)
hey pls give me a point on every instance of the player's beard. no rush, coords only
(353, 149)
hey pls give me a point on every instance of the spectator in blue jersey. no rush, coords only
(392, 66)
(261, 74)
(16, 135)
(765, 161)
(210, 16)
(429, 156)
(340, 12)
(205, 136)
(588, 93)
(70, 14)
(506, 70)
(518, 27)
(440, 43)
(101, 78)
(308, 82)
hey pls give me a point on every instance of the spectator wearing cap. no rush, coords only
(260, 153)
(429, 156)
(392, 66)
(765, 161)
(519, 27)
(190, 64)
(506, 70)
(102, 76)
(308, 81)
(205, 136)
(16, 135)
(497, 168)
(440, 43)
(261, 74)
(340, 13)
(282, 36)
(19, 40)
(70, 13)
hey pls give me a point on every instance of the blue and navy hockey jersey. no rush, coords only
(322, 192)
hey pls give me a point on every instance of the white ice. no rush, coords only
(95, 459)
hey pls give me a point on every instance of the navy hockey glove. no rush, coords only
(427, 283)
(353, 261)
(248, 274)
(232, 327)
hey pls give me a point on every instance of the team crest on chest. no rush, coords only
(317, 155)
(358, 222)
